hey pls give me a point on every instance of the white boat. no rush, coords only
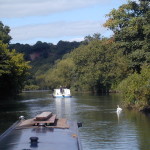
(61, 93)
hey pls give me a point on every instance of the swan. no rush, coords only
(119, 109)
(21, 118)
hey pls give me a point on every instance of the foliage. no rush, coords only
(13, 71)
(31, 87)
(92, 65)
(43, 50)
(89, 67)
(61, 74)
(42, 57)
(4, 33)
(90, 38)
(131, 27)
(136, 89)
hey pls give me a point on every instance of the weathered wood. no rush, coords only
(62, 123)
(43, 116)
(50, 120)
(29, 122)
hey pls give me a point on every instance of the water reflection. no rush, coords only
(118, 115)
(58, 103)
(68, 107)
(63, 107)
(119, 112)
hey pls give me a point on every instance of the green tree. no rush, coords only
(93, 63)
(92, 67)
(136, 89)
(89, 38)
(62, 74)
(131, 26)
(13, 71)
(4, 33)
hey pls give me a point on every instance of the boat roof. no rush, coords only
(48, 139)
(62, 136)
(63, 89)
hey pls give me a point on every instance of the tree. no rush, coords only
(4, 33)
(89, 38)
(61, 74)
(93, 63)
(131, 27)
(13, 71)
(136, 89)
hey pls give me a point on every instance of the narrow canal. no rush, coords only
(102, 128)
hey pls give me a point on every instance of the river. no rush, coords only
(102, 128)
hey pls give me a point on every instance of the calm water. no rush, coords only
(102, 128)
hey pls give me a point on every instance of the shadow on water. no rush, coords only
(10, 110)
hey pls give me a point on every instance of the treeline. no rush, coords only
(119, 63)
(42, 56)
(45, 50)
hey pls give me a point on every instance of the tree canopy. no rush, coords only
(13, 71)
(131, 26)
(13, 67)
(4, 33)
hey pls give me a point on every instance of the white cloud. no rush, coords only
(32, 20)
(57, 29)
(23, 8)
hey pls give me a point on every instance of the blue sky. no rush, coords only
(54, 20)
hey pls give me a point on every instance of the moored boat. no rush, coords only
(62, 93)
(44, 132)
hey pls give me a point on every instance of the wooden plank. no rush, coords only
(29, 122)
(62, 123)
(43, 116)
(52, 119)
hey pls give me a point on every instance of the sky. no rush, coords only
(54, 20)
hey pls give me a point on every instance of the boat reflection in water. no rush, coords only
(63, 107)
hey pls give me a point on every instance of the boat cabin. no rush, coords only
(62, 92)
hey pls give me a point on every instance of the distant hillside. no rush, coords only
(43, 55)
(45, 50)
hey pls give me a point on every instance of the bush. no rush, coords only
(136, 89)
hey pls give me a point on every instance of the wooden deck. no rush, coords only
(46, 118)
(43, 116)
(62, 123)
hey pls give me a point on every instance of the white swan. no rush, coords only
(21, 117)
(119, 109)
